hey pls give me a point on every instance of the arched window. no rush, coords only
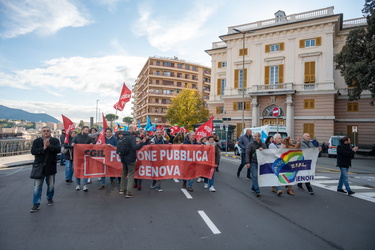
(267, 112)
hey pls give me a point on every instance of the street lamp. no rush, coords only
(243, 73)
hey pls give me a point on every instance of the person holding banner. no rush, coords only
(344, 161)
(69, 157)
(112, 141)
(242, 143)
(190, 139)
(158, 139)
(127, 149)
(62, 139)
(252, 161)
(82, 138)
(288, 144)
(277, 144)
(209, 183)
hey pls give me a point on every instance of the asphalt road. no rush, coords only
(169, 220)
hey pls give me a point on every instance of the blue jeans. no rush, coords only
(68, 170)
(62, 158)
(254, 177)
(344, 179)
(78, 181)
(102, 179)
(210, 181)
(38, 186)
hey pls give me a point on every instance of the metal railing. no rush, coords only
(15, 147)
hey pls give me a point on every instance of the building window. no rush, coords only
(157, 91)
(309, 128)
(243, 52)
(239, 77)
(275, 47)
(157, 63)
(352, 107)
(311, 42)
(195, 68)
(220, 110)
(274, 74)
(168, 64)
(157, 81)
(309, 104)
(187, 67)
(179, 65)
(309, 76)
(167, 73)
(179, 84)
(195, 77)
(158, 73)
(222, 64)
(239, 106)
(221, 86)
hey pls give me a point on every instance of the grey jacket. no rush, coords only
(244, 141)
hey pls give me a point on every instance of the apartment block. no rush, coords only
(287, 61)
(161, 79)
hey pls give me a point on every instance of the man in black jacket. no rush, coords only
(45, 150)
(128, 157)
(344, 160)
(242, 143)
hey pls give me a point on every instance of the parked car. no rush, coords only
(224, 144)
(333, 142)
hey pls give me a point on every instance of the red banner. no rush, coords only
(125, 96)
(69, 126)
(205, 130)
(158, 162)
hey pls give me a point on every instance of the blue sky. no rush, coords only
(60, 56)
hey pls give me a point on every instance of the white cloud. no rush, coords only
(87, 75)
(111, 4)
(45, 17)
(177, 34)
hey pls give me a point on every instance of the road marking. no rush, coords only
(209, 222)
(327, 181)
(321, 177)
(176, 180)
(186, 193)
(359, 187)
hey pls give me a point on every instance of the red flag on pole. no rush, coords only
(205, 129)
(68, 126)
(101, 137)
(125, 96)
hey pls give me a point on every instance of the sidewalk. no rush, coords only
(16, 160)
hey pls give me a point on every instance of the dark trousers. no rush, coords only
(243, 163)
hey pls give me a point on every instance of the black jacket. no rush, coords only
(51, 153)
(69, 153)
(83, 139)
(251, 151)
(344, 155)
(130, 142)
(187, 141)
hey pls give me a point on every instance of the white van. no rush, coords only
(264, 131)
(333, 142)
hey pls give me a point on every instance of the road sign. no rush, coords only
(276, 111)
(354, 129)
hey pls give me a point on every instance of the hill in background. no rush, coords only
(19, 114)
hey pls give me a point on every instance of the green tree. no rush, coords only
(356, 61)
(128, 120)
(111, 118)
(187, 108)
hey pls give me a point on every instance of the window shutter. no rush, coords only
(281, 46)
(312, 71)
(355, 107)
(305, 128)
(268, 48)
(307, 72)
(235, 106)
(219, 64)
(312, 104)
(349, 107)
(318, 41)
(281, 73)
(236, 78)
(217, 110)
(305, 104)
(247, 105)
(219, 86)
(245, 78)
(246, 52)
(241, 51)
(302, 43)
(267, 75)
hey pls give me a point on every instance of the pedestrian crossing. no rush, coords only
(361, 192)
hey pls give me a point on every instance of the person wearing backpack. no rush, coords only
(127, 148)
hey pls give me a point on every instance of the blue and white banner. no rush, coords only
(280, 167)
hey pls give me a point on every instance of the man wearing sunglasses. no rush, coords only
(45, 150)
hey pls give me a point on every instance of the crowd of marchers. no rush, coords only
(46, 150)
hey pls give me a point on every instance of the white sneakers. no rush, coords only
(212, 189)
(85, 188)
(78, 187)
(205, 185)
(200, 180)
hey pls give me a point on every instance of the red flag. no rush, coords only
(69, 126)
(175, 129)
(205, 129)
(101, 137)
(125, 96)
